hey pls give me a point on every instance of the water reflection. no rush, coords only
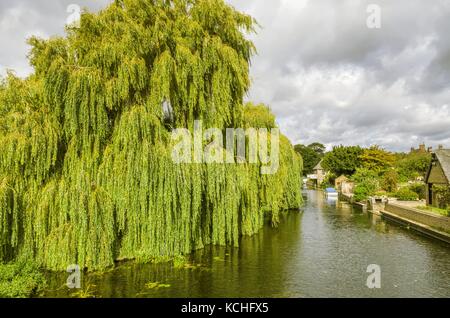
(322, 251)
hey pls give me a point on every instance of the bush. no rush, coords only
(361, 193)
(405, 194)
(19, 280)
(420, 189)
(367, 183)
(329, 181)
(413, 165)
(442, 196)
(390, 181)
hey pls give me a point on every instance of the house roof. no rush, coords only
(318, 166)
(443, 156)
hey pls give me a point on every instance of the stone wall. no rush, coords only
(427, 218)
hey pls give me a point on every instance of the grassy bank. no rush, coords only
(434, 210)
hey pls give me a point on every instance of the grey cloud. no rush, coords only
(20, 19)
(404, 66)
(326, 76)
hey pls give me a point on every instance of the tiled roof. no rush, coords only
(318, 166)
(443, 156)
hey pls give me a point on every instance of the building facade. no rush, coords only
(319, 175)
(438, 175)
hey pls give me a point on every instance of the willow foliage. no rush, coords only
(86, 175)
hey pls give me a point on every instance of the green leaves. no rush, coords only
(377, 159)
(311, 154)
(86, 175)
(343, 160)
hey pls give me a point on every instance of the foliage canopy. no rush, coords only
(86, 175)
(343, 160)
(377, 159)
(311, 154)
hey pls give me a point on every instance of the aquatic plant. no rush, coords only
(180, 261)
(20, 279)
(87, 292)
(86, 175)
(156, 285)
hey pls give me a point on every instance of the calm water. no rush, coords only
(324, 251)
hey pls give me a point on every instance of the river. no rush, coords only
(323, 251)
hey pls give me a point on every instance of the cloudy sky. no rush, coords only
(327, 76)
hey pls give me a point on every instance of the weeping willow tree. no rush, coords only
(86, 175)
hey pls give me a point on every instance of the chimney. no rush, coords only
(430, 149)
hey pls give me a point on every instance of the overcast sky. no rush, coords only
(325, 74)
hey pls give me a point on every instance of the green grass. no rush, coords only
(434, 210)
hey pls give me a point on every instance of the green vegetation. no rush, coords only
(377, 171)
(258, 116)
(420, 189)
(86, 175)
(376, 159)
(329, 181)
(180, 261)
(361, 193)
(405, 194)
(389, 181)
(443, 196)
(311, 154)
(86, 292)
(343, 160)
(367, 183)
(439, 211)
(413, 165)
(156, 285)
(20, 279)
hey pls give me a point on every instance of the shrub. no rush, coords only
(390, 181)
(420, 189)
(413, 165)
(329, 181)
(405, 194)
(343, 160)
(368, 179)
(19, 280)
(442, 196)
(367, 183)
(361, 193)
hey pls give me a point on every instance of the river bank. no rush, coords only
(426, 223)
(405, 214)
(322, 251)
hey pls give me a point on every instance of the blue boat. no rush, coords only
(331, 193)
